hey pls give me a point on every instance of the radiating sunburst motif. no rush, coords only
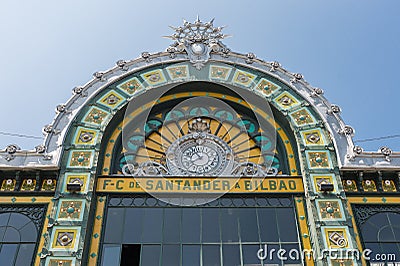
(242, 135)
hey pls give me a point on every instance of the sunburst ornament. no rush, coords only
(198, 39)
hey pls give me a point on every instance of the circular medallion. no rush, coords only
(199, 154)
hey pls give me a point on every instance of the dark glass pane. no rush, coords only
(28, 233)
(211, 255)
(369, 232)
(4, 217)
(268, 225)
(130, 255)
(18, 220)
(133, 225)
(25, 254)
(8, 254)
(150, 255)
(271, 257)
(248, 225)
(152, 225)
(250, 254)
(190, 255)
(114, 225)
(171, 255)
(172, 225)
(2, 231)
(191, 225)
(229, 225)
(286, 225)
(210, 225)
(111, 255)
(11, 235)
(385, 234)
(231, 255)
(292, 254)
(390, 252)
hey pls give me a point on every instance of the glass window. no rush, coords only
(210, 235)
(111, 255)
(172, 225)
(379, 226)
(171, 255)
(210, 225)
(152, 225)
(150, 255)
(18, 236)
(191, 255)
(211, 255)
(115, 225)
(133, 225)
(191, 225)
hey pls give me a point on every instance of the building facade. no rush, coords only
(199, 156)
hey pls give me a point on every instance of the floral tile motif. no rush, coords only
(96, 116)
(302, 117)
(131, 86)
(71, 210)
(349, 185)
(318, 179)
(267, 87)
(330, 210)
(65, 238)
(49, 184)
(111, 99)
(286, 101)
(244, 78)
(85, 136)
(77, 178)
(80, 159)
(154, 77)
(313, 137)
(318, 159)
(369, 185)
(219, 72)
(388, 185)
(178, 72)
(8, 184)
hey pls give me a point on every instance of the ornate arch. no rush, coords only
(75, 138)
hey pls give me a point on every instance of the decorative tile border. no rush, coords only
(112, 100)
(244, 78)
(80, 159)
(85, 136)
(65, 238)
(70, 209)
(330, 210)
(154, 77)
(131, 86)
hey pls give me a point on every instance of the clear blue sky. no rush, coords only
(348, 48)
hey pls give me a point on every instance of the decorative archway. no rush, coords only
(83, 137)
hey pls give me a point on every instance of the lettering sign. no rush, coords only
(200, 185)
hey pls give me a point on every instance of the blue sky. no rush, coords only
(348, 48)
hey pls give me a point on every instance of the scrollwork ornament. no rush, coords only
(296, 77)
(61, 108)
(334, 109)
(122, 64)
(146, 56)
(386, 151)
(99, 75)
(274, 66)
(40, 148)
(250, 58)
(358, 149)
(347, 130)
(12, 148)
(316, 92)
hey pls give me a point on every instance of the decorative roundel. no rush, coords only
(200, 153)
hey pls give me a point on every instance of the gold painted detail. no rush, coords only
(349, 185)
(369, 185)
(131, 86)
(200, 185)
(70, 209)
(8, 184)
(388, 185)
(302, 117)
(330, 209)
(318, 159)
(95, 116)
(267, 87)
(49, 184)
(80, 158)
